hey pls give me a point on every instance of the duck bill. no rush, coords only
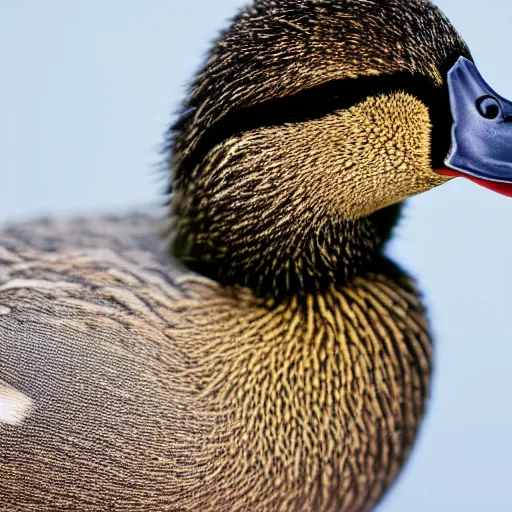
(481, 147)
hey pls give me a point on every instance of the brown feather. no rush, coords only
(280, 362)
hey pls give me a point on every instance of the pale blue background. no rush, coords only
(87, 89)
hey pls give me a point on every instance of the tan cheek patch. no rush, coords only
(15, 407)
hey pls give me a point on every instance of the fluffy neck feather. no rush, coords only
(278, 263)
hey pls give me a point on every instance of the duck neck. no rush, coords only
(273, 252)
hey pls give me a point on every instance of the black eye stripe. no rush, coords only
(314, 103)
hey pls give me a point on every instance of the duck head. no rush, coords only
(309, 124)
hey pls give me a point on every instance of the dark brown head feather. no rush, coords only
(276, 49)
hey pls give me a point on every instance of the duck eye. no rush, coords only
(488, 107)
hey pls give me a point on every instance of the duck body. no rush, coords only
(153, 388)
(266, 355)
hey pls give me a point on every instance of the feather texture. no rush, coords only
(155, 389)
(277, 360)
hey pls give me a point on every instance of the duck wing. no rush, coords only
(92, 414)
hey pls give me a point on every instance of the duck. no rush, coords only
(253, 348)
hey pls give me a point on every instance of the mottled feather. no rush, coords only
(274, 359)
